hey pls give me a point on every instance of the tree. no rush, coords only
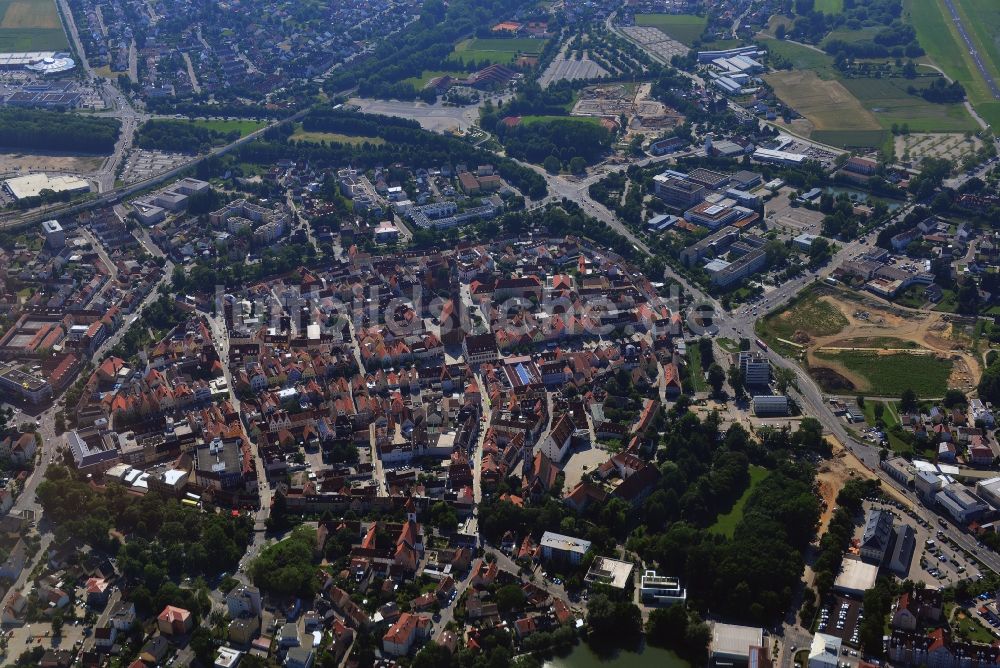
(510, 598)
(552, 164)
(443, 517)
(57, 624)
(578, 165)
(879, 410)
(706, 352)
(432, 655)
(736, 381)
(716, 378)
(908, 401)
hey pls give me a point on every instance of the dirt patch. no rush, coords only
(830, 380)
(11, 163)
(872, 324)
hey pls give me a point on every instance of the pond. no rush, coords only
(862, 196)
(646, 657)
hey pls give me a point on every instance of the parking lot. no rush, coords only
(24, 638)
(656, 41)
(795, 220)
(841, 617)
(936, 562)
(142, 164)
(571, 69)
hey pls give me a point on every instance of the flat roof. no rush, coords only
(610, 571)
(563, 543)
(855, 575)
(31, 185)
(732, 640)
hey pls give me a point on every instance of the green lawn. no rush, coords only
(940, 38)
(889, 375)
(502, 51)
(685, 28)
(968, 628)
(728, 345)
(528, 120)
(244, 126)
(852, 36)
(698, 382)
(726, 523)
(420, 82)
(802, 57)
(806, 314)
(829, 6)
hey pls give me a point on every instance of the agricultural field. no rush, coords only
(888, 375)
(685, 28)
(502, 51)
(725, 524)
(31, 25)
(939, 37)
(856, 111)
(890, 103)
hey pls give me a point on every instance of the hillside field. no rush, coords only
(31, 25)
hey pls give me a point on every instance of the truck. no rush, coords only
(763, 346)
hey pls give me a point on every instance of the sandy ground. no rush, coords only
(11, 163)
(581, 461)
(867, 319)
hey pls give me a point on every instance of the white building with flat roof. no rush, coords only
(32, 185)
(610, 572)
(731, 643)
(855, 577)
(661, 589)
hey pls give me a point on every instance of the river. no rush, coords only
(647, 657)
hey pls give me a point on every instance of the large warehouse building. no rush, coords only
(31, 185)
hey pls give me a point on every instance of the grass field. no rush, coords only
(856, 112)
(528, 120)
(939, 36)
(331, 137)
(829, 6)
(698, 382)
(685, 28)
(889, 375)
(31, 25)
(806, 314)
(890, 103)
(245, 127)
(427, 75)
(725, 524)
(827, 103)
(502, 51)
